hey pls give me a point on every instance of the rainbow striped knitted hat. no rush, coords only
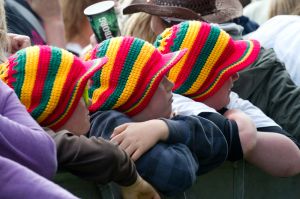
(49, 81)
(213, 57)
(131, 76)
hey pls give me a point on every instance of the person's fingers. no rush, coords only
(117, 139)
(130, 150)
(24, 42)
(124, 144)
(119, 130)
(136, 155)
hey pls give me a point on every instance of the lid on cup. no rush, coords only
(99, 7)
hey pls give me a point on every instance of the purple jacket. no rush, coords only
(18, 181)
(22, 140)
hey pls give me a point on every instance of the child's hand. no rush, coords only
(137, 138)
(140, 190)
(17, 42)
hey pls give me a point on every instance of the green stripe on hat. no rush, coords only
(20, 75)
(180, 36)
(48, 86)
(96, 77)
(201, 60)
(157, 42)
(131, 57)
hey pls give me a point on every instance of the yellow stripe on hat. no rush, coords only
(251, 46)
(58, 85)
(143, 57)
(31, 66)
(188, 41)
(150, 86)
(111, 53)
(70, 103)
(4, 71)
(214, 56)
(165, 35)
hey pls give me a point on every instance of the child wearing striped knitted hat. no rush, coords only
(206, 74)
(132, 87)
(52, 84)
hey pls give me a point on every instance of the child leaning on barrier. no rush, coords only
(207, 74)
(132, 87)
(52, 84)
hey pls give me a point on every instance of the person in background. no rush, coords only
(77, 26)
(41, 20)
(275, 34)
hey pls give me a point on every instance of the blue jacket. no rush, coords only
(194, 146)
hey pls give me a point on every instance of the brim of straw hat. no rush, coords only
(227, 11)
(162, 11)
(162, 68)
(92, 67)
(245, 53)
(224, 11)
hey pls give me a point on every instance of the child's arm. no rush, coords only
(177, 158)
(247, 129)
(204, 139)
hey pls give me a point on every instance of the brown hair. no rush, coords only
(73, 15)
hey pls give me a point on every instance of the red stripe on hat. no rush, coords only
(116, 71)
(169, 41)
(225, 60)
(142, 83)
(42, 71)
(76, 70)
(193, 54)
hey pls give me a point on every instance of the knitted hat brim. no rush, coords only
(164, 66)
(92, 67)
(245, 53)
(163, 11)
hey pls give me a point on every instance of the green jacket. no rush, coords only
(267, 84)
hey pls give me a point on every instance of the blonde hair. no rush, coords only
(138, 25)
(3, 33)
(73, 15)
(282, 7)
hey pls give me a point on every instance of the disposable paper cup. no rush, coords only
(103, 20)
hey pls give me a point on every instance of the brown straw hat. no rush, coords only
(181, 9)
(215, 11)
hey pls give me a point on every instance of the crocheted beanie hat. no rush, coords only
(49, 81)
(212, 57)
(131, 76)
